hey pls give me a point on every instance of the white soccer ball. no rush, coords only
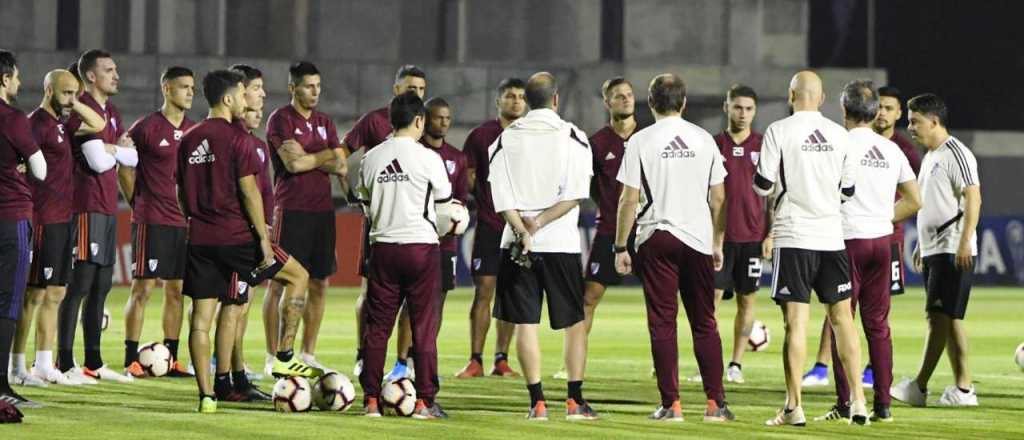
(155, 359)
(452, 218)
(293, 394)
(1019, 356)
(400, 396)
(334, 392)
(759, 337)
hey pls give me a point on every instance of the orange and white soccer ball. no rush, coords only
(399, 396)
(155, 359)
(293, 394)
(334, 392)
(452, 218)
(759, 337)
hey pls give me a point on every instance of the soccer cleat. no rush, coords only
(254, 394)
(135, 370)
(952, 396)
(539, 412)
(27, 379)
(230, 395)
(105, 373)
(295, 367)
(561, 374)
(207, 405)
(501, 368)
(178, 370)
(310, 360)
(424, 412)
(793, 417)
(836, 413)
(817, 377)
(78, 374)
(715, 413)
(472, 369)
(868, 379)
(673, 413)
(399, 371)
(579, 411)
(55, 377)
(909, 392)
(859, 414)
(881, 414)
(18, 401)
(371, 408)
(734, 374)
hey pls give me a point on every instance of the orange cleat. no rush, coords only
(502, 369)
(178, 370)
(472, 369)
(135, 370)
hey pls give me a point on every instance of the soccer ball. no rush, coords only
(759, 337)
(293, 394)
(452, 219)
(334, 392)
(1019, 356)
(400, 396)
(155, 358)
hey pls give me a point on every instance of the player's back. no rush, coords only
(805, 156)
(882, 166)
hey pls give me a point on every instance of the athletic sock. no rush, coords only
(964, 390)
(44, 360)
(172, 346)
(240, 380)
(820, 365)
(285, 356)
(18, 363)
(734, 364)
(222, 383)
(536, 393)
(576, 390)
(65, 360)
(477, 357)
(131, 352)
(500, 356)
(93, 359)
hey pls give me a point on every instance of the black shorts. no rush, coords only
(448, 262)
(520, 293)
(798, 271)
(601, 262)
(95, 238)
(51, 255)
(158, 251)
(225, 272)
(487, 254)
(741, 268)
(309, 238)
(896, 283)
(946, 287)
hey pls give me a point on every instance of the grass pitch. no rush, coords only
(618, 384)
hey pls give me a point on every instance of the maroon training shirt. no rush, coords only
(94, 192)
(213, 156)
(369, 131)
(914, 157)
(607, 148)
(477, 158)
(156, 199)
(744, 219)
(51, 197)
(455, 164)
(309, 190)
(16, 145)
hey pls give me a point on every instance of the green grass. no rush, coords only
(618, 383)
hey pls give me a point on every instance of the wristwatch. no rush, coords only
(621, 249)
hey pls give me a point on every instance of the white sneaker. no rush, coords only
(908, 392)
(954, 397)
(358, 368)
(27, 379)
(78, 374)
(794, 417)
(268, 365)
(55, 377)
(734, 374)
(561, 374)
(105, 373)
(859, 413)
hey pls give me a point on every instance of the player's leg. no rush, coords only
(134, 313)
(15, 250)
(423, 263)
(46, 337)
(203, 311)
(402, 345)
(746, 277)
(313, 316)
(874, 303)
(82, 276)
(795, 317)
(92, 327)
(834, 286)
(957, 294)
(859, 254)
(383, 299)
(293, 303)
(173, 317)
(224, 340)
(479, 323)
(956, 350)
(321, 237)
(271, 322)
(939, 322)
(659, 275)
(239, 374)
(19, 368)
(562, 280)
(746, 303)
(518, 300)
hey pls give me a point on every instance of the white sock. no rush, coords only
(44, 361)
(19, 363)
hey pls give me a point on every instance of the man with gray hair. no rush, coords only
(868, 219)
(539, 200)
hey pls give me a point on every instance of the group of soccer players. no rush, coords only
(692, 215)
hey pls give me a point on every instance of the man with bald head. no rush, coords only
(808, 169)
(539, 200)
(51, 244)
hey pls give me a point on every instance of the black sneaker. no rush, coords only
(424, 412)
(881, 414)
(18, 401)
(254, 394)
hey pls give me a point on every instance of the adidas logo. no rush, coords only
(874, 158)
(610, 156)
(784, 290)
(816, 142)
(164, 143)
(201, 154)
(677, 149)
(393, 173)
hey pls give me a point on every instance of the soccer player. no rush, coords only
(17, 146)
(946, 250)
(540, 170)
(51, 219)
(818, 173)
(868, 220)
(439, 120)
(95, 182)
(745, 244)
(486, 257)
(228, 240)
(306, 152)
(370, 130)
(678, 240)
(400, 182)
(158, 226)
